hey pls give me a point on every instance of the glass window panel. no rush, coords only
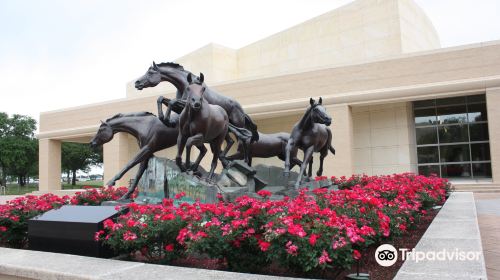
(427, 170)
(480, 151)
(424, 103)
(456, 171)
(425, 117)
(478, 131)
(482, 170)
(453, 133)
(449, 121)
(451, 101)
(476, 98)
(426, 135)
(454, 153)
(428, 154)
(452, 114)
(477, 112)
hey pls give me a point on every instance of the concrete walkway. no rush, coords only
(488, 214)
(453, 232)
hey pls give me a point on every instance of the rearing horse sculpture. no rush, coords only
(177, 75)
(200, 123)
(151, 134)
(310, 134)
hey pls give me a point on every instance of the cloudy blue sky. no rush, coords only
(60, 53)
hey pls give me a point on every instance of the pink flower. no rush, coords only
(313, 238)
(169, 248)
(180, 195)
(291, 248)
(98, 234)
(356, 254)
(263, 245)
(264, 193)
(3, 229)
(130, 223)
(325, 258)
(129, 236)
(108, 223)
(296, 229)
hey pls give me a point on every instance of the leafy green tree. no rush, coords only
(4, 124)
(18, 147)
(76, 156)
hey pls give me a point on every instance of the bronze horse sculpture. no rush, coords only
(268, 145)
(151, 134)
(177, 75)
(310, 134)
(200, 123)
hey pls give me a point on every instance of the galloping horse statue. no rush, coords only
(311, 135)
(200, 123)
(268, 145)
(177, 75)
(151, 134)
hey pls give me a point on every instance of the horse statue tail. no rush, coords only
(241, 133)
(329, 141)
(253, 128)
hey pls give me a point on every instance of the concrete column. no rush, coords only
(49, 164)
(342, 130)
(492, 101)
(115, 157)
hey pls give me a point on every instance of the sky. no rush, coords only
(61, 53)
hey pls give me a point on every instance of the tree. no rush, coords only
(77, 156)
(18, 147)
(4, 124)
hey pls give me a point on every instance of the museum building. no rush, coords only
(399, 102)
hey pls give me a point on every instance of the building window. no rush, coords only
(452, 137)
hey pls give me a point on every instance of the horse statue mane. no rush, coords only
(135, 114)
(171, 64)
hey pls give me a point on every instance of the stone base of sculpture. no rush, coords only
(163, 179)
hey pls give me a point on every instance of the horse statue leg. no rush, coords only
(229, 144)
(196, 140)
(307, 157)
(181, 143)
(310, 172)
(203, 151)
(289, 147)
(237, 155)
(215, 146)
(142, 167)
(323, 154)
(144, 154)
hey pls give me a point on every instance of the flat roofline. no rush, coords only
(395, 57)
(294, 106)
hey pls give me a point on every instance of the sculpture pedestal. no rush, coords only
(163, 179)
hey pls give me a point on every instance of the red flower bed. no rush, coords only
(14, 215)
(312, 232)
(319, 231)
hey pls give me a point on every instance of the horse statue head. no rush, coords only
(318, 112)
(195, 91)
(103, 135)
(151, 79)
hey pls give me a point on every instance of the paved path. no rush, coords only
(488, 213)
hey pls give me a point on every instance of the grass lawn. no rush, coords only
(15, 189)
